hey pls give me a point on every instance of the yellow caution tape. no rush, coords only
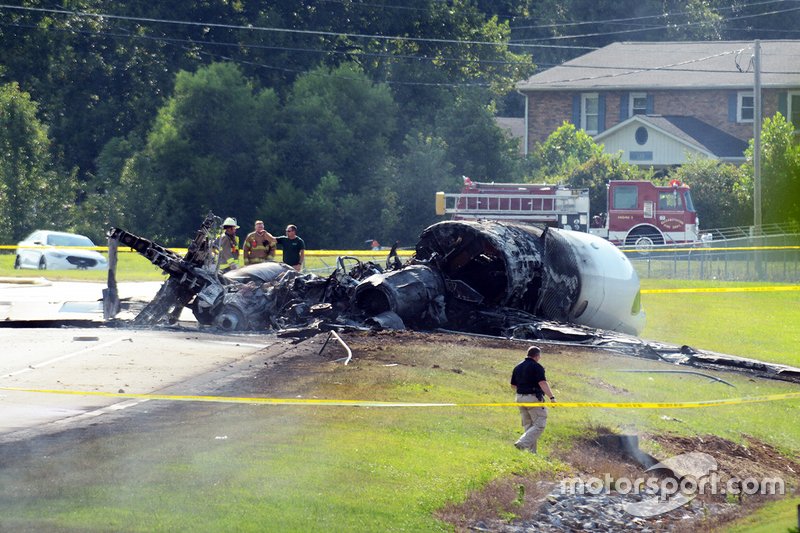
(368, 403)
(182, 251)
(771, 288)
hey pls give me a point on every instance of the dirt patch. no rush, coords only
(500, 507)
(753, 459)
(501, 499)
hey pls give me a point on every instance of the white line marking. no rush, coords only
(63, 357)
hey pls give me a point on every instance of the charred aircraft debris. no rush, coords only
(479, 277)
(473, 276)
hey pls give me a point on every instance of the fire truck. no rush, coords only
(638, 213)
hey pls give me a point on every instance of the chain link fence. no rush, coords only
(729, 254)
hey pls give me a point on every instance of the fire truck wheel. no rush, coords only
(644, 240)
(644, 243)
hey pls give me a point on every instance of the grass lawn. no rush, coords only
(247, 468)
(359, 469)
(134, 267)
(761, 325)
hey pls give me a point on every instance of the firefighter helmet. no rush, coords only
(230, 221)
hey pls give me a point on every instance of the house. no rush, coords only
(658, 102)
(514, 127)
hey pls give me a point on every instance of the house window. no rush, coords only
(641, 135)
(794, 109)
(638, 104)
(745, 107)
(590, 113)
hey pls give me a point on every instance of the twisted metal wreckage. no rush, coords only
(481, 277)
(485, 277)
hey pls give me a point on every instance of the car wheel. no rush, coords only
(17, 266)
(42, 263)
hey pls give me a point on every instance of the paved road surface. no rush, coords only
(172, 361)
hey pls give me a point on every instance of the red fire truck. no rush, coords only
(637, 212)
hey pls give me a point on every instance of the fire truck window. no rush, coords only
(669, 200)
(689, 204)
(626, 197)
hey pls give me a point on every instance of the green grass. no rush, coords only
(376, 470)
(761, 325)
(361, 469)
(130, 267)
(134, 267)
(775, 517)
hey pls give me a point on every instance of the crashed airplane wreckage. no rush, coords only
(480, 277)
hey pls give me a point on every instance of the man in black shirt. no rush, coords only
(529, 380)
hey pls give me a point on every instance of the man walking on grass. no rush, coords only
(531, 385)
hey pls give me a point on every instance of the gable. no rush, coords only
(665, 141)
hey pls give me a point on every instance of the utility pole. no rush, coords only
(759, 266)
(757, 137)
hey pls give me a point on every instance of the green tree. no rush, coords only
(564, 149)
(476, 146)
(211, 148)
(32, 193)
(409, 198)
(780, 171)
(571, 157)
(717, 192)
(336, 121)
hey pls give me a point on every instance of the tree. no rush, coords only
(32, 193)
(414, 180)
(571, 157)
(780, 171)
(476, 146)
(717, 192)
(563, 149)
(338, 121)
(211, 148)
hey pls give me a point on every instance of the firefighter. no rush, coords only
(259, 246)
(228, 246)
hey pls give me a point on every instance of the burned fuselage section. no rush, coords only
(558, 275)
(483, 277)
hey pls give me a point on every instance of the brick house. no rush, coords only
(658, 102)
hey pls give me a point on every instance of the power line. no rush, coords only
(175, 40)
(631, 19)
(281, 30)
(651, 28)
(181, 42)
(356, 53)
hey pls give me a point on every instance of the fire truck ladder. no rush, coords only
(545, 208)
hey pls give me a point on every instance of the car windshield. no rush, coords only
(68, 240)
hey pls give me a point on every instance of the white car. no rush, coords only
(56, 250)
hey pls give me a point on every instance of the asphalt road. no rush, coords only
(169, 361)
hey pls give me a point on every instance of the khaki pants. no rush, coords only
(534, 420)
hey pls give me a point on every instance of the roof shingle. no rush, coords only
(674, 65)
